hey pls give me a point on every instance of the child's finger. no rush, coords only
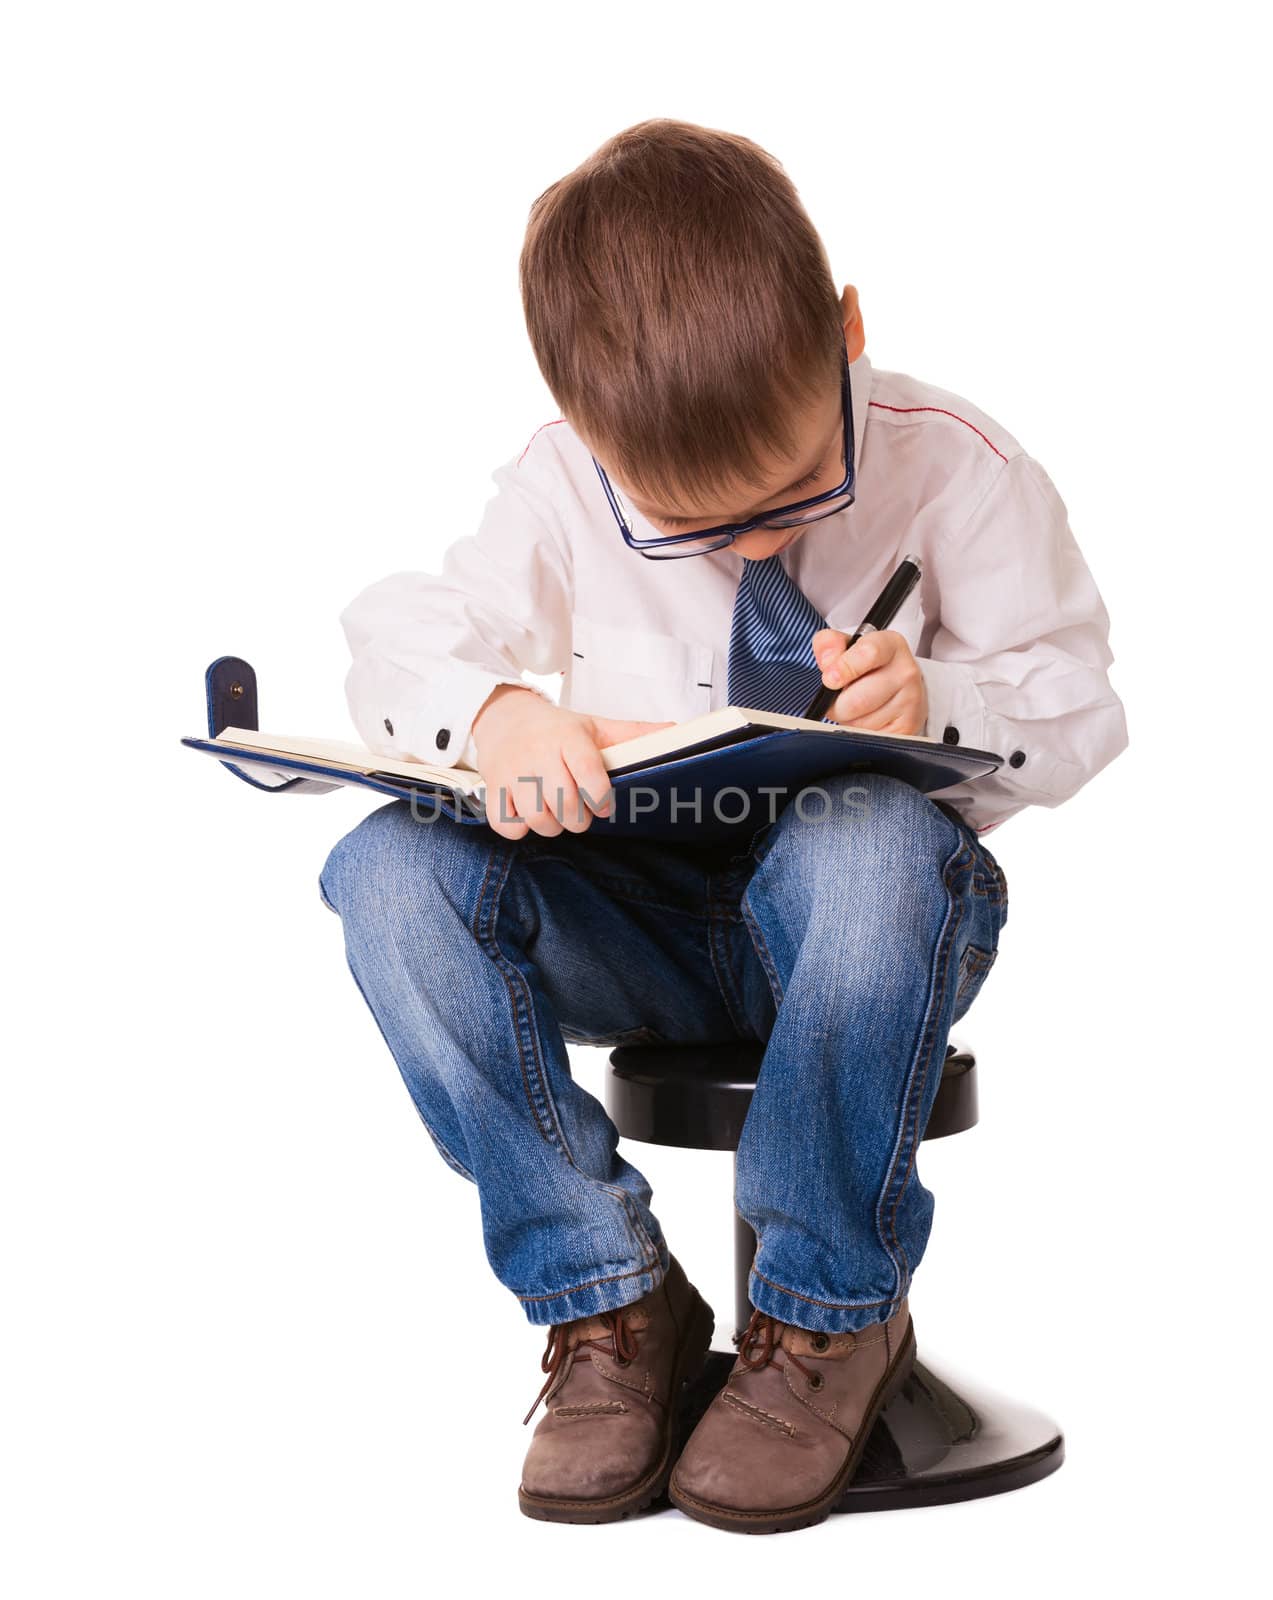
(588, 770)
(863, 697)
(827, 643)
(567, 804)
(502, 814)
(867, 655)
(614, 730)
(528, 796)
(894, 710)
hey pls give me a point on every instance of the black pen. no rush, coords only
(878, 617)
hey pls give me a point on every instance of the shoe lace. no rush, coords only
(760, 1340)
(618, 1336)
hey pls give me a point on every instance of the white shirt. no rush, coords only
(1007, 624)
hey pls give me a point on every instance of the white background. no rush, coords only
(262, 344)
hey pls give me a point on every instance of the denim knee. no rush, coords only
(867, 818)
(369, 865)
(343, 872)
(855, 886)
(399, 860)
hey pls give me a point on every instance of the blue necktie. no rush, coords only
(771, 662)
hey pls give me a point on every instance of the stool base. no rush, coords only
(935, 1442)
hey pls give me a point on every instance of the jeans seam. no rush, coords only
(761, 947)
(592, 1283)
(766, 960)
(523, 1012)
(833, 1305)
(908, 1142)
(725, 980)
(719, 954)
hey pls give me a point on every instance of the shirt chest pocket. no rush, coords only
(636, 673)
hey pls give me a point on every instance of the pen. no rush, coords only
(878, 617)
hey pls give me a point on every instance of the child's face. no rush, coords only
(818, 465)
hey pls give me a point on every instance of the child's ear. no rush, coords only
(854, 328)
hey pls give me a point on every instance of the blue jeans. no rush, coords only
(848, 933)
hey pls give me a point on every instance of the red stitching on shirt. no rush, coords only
(536, 435)
(880, 404)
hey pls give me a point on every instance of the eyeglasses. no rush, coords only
(701, 541)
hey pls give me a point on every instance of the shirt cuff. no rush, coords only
(441, 733)
(956, 711)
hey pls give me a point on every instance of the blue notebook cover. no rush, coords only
(725, 787)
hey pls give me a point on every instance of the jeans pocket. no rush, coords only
(976, 963)
(758, 846)
(988, 879)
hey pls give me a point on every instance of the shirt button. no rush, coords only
(951, 735)
(388, 727)
(443, 738)
(1017, 758)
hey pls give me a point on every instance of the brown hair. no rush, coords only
(681, 307)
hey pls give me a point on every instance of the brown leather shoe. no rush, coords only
(606, 1446)
(777, 1447)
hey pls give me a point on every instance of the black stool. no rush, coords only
(930, 1445)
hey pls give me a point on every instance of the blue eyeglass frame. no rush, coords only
(725, 533)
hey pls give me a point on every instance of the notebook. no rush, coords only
(726, 772)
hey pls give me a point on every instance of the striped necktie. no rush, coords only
(771, 661)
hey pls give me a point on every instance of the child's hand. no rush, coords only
(542, 762)
(883, 687)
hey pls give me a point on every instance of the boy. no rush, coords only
(727, 490)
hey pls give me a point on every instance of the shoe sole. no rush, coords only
(812, 1511)
(691, 1357)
